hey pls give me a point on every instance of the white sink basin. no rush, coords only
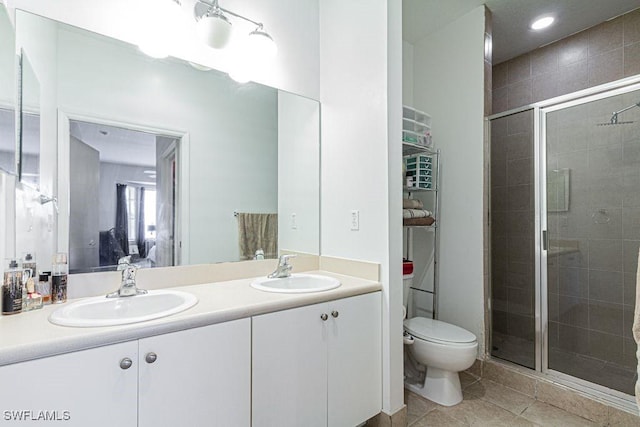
(102, 311)
(296, 283)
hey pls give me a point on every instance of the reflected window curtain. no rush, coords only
(140, 228)
(122, 218)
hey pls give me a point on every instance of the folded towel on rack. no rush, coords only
(412, 204)
(415, 213)
(257, 231)
(418, 221)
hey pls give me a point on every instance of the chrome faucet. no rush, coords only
(284, 268)
(128, 286)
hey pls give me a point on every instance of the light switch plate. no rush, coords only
(355, 220)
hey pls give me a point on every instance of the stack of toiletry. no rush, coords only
(22, 292)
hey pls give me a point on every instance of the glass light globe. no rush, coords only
(261, 46)
(214, 30)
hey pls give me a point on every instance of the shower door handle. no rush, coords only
(545, 240)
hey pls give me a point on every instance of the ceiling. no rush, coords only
(117, 145)
(511, 19)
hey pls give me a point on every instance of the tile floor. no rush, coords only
(487, 403)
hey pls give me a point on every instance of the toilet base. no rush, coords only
(441, 387)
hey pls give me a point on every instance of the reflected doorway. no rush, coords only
(122, 197)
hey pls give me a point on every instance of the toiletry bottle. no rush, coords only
(31, 300)
(12, 289)
(59, 278)
(29, 264)
(43, 287)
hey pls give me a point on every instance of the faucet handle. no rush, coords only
(124, 262)
(284, 259)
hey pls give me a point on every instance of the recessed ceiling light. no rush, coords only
(542, 23)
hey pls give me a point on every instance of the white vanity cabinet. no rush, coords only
(196, 377)
(85, 388)
(318, 365)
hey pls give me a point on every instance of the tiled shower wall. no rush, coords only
(601, 54)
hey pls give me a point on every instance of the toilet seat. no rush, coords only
(438, 332)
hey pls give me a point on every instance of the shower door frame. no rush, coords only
(541, 313)
(540, 179)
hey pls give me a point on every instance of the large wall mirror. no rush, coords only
(7, 94)
(165, 161)
(28, 124)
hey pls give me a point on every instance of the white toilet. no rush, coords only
(444, 349)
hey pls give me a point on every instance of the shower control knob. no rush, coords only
(151, 357)
(324, 316)
(335, 313)
(125, 363)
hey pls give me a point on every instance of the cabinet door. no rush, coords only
(355, 359)
(201, 377)
(85, 388)
(289, 368)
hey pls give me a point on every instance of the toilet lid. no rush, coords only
(435, 330)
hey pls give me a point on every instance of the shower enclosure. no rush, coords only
(565, 234)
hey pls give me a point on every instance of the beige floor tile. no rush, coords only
(571, 401)
(472, 411)
(500, 395)
(511, 378)
(508, 421)
(466, 379)
(618, 418)
(417, 407)
(437, 418)
(547, 415)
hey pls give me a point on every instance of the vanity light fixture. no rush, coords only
(542, 23)
(215, 28)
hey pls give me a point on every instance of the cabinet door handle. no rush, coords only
(151, 357)
(335, 313)
(125, 363)
(324, 316)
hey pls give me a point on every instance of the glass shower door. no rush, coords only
(513, 327)
(593, 236)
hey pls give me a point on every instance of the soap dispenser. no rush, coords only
(12, 288)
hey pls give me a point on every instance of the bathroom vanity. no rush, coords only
(240, 357)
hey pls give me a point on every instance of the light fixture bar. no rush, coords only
(214, 5)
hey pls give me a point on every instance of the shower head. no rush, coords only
(614, 117)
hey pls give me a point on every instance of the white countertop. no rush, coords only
(30, 335)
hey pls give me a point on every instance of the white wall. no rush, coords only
(292, 23)
(449, 84)
(407, 73)
(298, 173)
(360, 94)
